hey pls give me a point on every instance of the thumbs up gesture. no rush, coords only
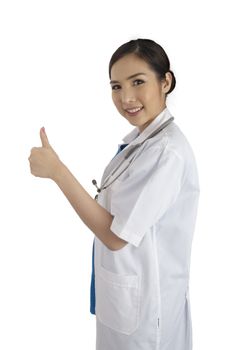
(44, 162)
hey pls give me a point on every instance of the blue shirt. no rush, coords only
(92, 288)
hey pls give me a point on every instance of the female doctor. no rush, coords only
(144, 215)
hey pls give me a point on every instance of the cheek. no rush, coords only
(151, 97)
(113, 98)
(146, 99)
(116, 100)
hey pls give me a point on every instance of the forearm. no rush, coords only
(97, 218)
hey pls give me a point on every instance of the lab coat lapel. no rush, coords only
(133, 138)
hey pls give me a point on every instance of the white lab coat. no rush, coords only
(142, 295)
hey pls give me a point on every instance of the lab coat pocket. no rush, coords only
(118, 301)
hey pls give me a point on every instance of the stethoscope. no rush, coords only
(125, 160)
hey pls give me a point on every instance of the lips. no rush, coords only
(134, 110)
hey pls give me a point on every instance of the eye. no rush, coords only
(139, 80)
(115, 86)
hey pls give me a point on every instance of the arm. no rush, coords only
(45, 163)
(97, 218)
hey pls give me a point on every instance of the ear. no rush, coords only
(167, 82)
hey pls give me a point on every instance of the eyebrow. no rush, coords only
(130, 77)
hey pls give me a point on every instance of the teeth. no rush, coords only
(133, 110)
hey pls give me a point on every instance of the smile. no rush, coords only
(133, 111)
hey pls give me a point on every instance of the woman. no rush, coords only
(144, 215)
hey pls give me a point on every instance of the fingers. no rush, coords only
(44, 138)
(32, 151)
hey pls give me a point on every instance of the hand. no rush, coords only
(44, 162)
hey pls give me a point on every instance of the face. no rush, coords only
(136, 91)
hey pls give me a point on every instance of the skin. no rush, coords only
(142, 90)
(45, 163)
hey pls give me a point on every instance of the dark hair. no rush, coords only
(149, 51)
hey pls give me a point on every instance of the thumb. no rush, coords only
(44, 138)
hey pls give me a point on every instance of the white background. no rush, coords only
(54, 73)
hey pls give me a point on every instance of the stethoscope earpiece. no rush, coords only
(95, 184)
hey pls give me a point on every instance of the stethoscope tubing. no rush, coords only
(127, 155)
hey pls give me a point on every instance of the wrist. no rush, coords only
(58, 172)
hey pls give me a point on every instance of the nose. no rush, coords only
(127, 96)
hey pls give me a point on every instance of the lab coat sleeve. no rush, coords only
(141, 199)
